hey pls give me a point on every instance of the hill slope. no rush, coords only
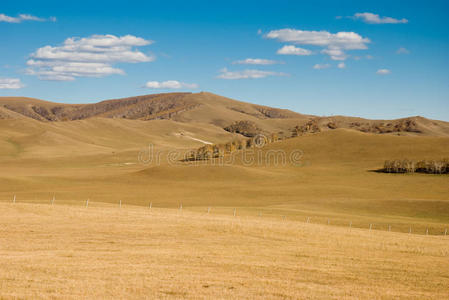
(215, 110)
(107, 158)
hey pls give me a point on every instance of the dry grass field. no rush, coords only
(103, 251)
(268, 250)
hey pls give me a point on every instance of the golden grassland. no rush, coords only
(67, 250)
(103, 251)
(98, 159)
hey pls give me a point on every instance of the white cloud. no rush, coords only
(383, 72)
(402, 50)
(256, 61)
(334, 43)
(321, 66)
(86, 57)
(335, 53)
(11, 83)
(341, 65)
(247, 74)
(343, 40)
(170, 84)
(371, 18)
(24, 17)
(292, 50)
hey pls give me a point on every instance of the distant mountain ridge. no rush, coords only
(211, 109)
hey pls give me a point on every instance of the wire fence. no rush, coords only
(431, 229)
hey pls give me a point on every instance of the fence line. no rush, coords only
(209, 208)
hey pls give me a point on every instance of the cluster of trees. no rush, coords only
(310, 127)
(245, 128)
(423, 166)
(207, 152)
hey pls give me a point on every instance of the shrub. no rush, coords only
(423, 166)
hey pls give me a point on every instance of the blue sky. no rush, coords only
(375, 59)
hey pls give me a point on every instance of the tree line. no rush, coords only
(422, 166)
(219, 150)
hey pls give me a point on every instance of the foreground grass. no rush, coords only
(68, 251)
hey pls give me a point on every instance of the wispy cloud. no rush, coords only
(256, 61)
(292, 50)
(24, 17)
(402, 50)
(371, 18)
(247, 74)
(321, 66)
(335, 53)
(170, 84)
(341, 65)
(383, 72)
(334, 44)
(86, 57)
(10, 84)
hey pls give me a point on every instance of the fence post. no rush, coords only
(350, 225)
(53, 200)
(87, 202)
(208, 210)
(235, 210)
(14, 199)
(370, 226)
(308, 219)
(389, 227)
(151, 203)
(410, 230)
(445, 231)
(328, 222)
(427, 231)
(180, 207)
(120, 203)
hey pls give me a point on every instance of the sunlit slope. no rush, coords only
(334, 178)
(40, 140)
(210, 109)
(336, 167)
(222, 111)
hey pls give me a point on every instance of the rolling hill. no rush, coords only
(211, 109)
(95, 151)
